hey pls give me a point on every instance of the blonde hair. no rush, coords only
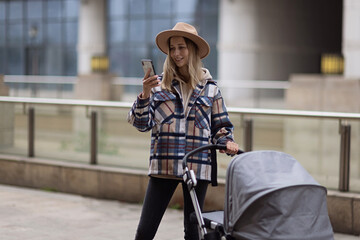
(171, 71)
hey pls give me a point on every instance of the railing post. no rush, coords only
(345, 142)
(31, 132)
(248, 135)
(93, 138)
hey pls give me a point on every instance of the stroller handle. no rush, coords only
(206, 147)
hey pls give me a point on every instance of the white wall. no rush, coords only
(351, 38)
(92, 33)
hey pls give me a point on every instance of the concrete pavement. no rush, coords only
(38, 215)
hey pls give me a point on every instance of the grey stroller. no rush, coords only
(269, 195)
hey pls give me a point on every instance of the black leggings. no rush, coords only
(157, 198)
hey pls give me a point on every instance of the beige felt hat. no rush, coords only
(182, 30)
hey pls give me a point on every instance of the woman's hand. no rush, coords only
(148, 84)
(231, 148)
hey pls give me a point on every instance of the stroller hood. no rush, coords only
(253, 175)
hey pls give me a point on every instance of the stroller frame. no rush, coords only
(191, 182)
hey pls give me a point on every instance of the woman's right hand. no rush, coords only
(148, 84)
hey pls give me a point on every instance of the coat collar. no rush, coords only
(195, 94)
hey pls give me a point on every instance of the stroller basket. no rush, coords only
(268, 195)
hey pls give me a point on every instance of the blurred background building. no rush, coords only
(249, 39)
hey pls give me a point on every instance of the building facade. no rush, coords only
(249, 39)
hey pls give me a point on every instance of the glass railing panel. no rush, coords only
(62, 133)
(267, 135)
(223, 159)
(13, 129)
(315, 143)
(119, 143)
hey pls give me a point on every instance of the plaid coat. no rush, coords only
(174, 134)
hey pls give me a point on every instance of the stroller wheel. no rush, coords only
(213, 236)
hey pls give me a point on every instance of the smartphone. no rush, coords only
(146, 64)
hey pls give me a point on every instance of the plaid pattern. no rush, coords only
(174, 134)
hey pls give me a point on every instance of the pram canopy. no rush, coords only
(269, 195)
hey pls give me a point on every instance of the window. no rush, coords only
(186, 7)
(71, 8)
(2, 11)
(117, 8)
(158, 25)
(34, 32)
(71, 33)
(34, 9)
(41, 33)
(54, 10)
(117, 30)
(70, 62)
(54, 61)
(2, 34)
(15, 10)
(15, 33)
(138, 7)
(161, 7)
(137, 31)
(54, 33)
(14, 61)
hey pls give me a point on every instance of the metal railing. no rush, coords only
(63, 87)
(245, 114)
(131, 81)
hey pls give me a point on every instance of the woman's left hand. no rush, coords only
(231, 148)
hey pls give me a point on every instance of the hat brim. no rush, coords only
(163, 37)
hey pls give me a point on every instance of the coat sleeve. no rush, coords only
(141, 115)
(221, 126)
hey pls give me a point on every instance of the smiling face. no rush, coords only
(179, 52)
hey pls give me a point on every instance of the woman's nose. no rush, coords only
(176, 52)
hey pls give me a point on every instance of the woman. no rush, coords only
(185, 110)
